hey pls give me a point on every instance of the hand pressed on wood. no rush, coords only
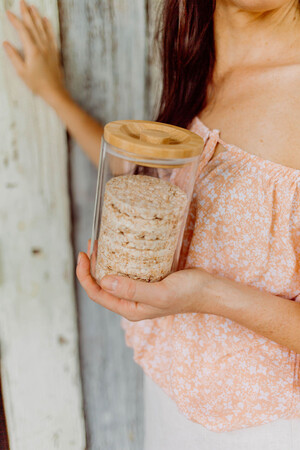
(40, 67)
(180, 292)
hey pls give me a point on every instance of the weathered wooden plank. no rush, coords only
(153, 72)
(105, 58)
(38, 332)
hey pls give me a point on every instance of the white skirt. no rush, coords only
(166, 428)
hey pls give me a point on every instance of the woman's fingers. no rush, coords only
(130, 310)
(39, 23)
(95, 247)
(29, 21)
(50, 33)
(85, 277)
(154, 294)
(15, 57)
(31, 28)
(24, 33)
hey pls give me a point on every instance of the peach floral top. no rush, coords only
(244, 224)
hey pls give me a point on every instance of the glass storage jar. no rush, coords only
(145, 183)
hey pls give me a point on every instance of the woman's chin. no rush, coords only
(260, 5)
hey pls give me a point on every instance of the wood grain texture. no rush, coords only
(106, 65)
(38, 324)
(153, 72)
(152, 139)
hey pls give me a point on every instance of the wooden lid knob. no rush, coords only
(155, 136)
(153, 140)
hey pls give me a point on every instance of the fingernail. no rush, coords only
(79, 258)
(7, 47)
(109, 283)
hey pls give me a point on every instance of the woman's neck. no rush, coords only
(249, 39)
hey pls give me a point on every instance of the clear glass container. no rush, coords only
(145, 183)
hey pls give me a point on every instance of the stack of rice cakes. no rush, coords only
(140, 225)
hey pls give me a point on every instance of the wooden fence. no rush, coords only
(52, 401)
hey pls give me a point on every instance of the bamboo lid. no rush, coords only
(153, 139)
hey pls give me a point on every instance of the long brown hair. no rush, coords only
(186, 39)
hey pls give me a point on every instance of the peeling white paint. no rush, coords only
(38, 326)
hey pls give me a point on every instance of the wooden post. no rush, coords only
(105, 58)
(153, 72)
(38, 332)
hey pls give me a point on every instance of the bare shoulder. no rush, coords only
(289, 81)
(287, 113)
(259, 111)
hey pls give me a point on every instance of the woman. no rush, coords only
(220, 340)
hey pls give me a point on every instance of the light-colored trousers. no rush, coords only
(168, 429)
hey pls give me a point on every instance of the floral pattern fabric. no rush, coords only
(243, 224)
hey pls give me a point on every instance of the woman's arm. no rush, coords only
(41, 70)
(82, 127)
(276, 318)
(197, 291)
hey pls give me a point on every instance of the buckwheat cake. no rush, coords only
(138, 241)
(140, 225)
(156, 228)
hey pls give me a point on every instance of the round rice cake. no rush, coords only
(142, 228)
(140, 225)
(155, 273)
(145, 197)
(102, 271)
(129, 240)
(136, 257)
(134, 266)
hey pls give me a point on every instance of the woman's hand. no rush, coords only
(181, 292)
(40, 68)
